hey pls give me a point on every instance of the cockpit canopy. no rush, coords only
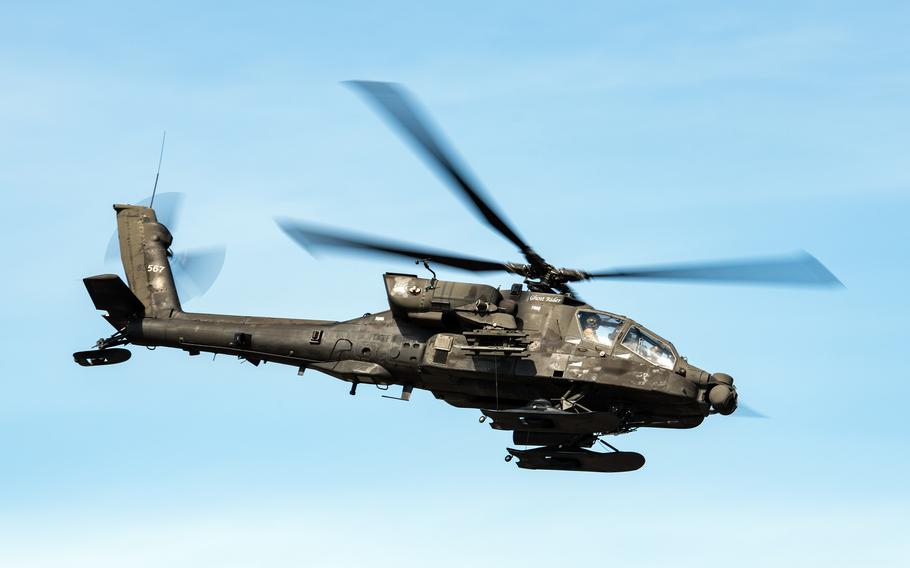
(613, 332)
(599, 327)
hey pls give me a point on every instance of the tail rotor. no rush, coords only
(195, 270)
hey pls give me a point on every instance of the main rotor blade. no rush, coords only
(310, 237)
(393, 101)
(801, 269)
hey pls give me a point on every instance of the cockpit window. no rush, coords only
(640, 343)
(600, 328)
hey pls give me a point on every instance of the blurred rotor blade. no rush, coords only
(112, 253)
(800, 269)
(312, 238)
(745, 411)
(167, 210)
(196, 270)
(393, 101)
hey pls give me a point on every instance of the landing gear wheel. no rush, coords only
(482, 419)
(508, 458)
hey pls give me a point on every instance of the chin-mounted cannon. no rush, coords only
(722, 394)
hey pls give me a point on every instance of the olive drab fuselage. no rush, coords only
(471, 345)
(552, 369)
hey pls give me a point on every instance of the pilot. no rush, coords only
(589, 327)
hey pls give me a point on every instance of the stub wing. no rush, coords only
(551, 420)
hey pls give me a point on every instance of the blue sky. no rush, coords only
(682, 131)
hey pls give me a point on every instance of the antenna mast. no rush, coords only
(158, 173)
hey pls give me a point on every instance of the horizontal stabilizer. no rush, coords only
(111, 294)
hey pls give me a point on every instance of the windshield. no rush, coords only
(600, 328)
(642, 344)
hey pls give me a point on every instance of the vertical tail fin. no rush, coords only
(144, 246)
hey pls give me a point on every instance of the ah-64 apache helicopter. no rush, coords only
(534, 358)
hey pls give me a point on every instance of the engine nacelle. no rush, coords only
(409, 294)
(427, 301)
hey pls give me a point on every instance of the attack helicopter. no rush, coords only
(534, 358)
